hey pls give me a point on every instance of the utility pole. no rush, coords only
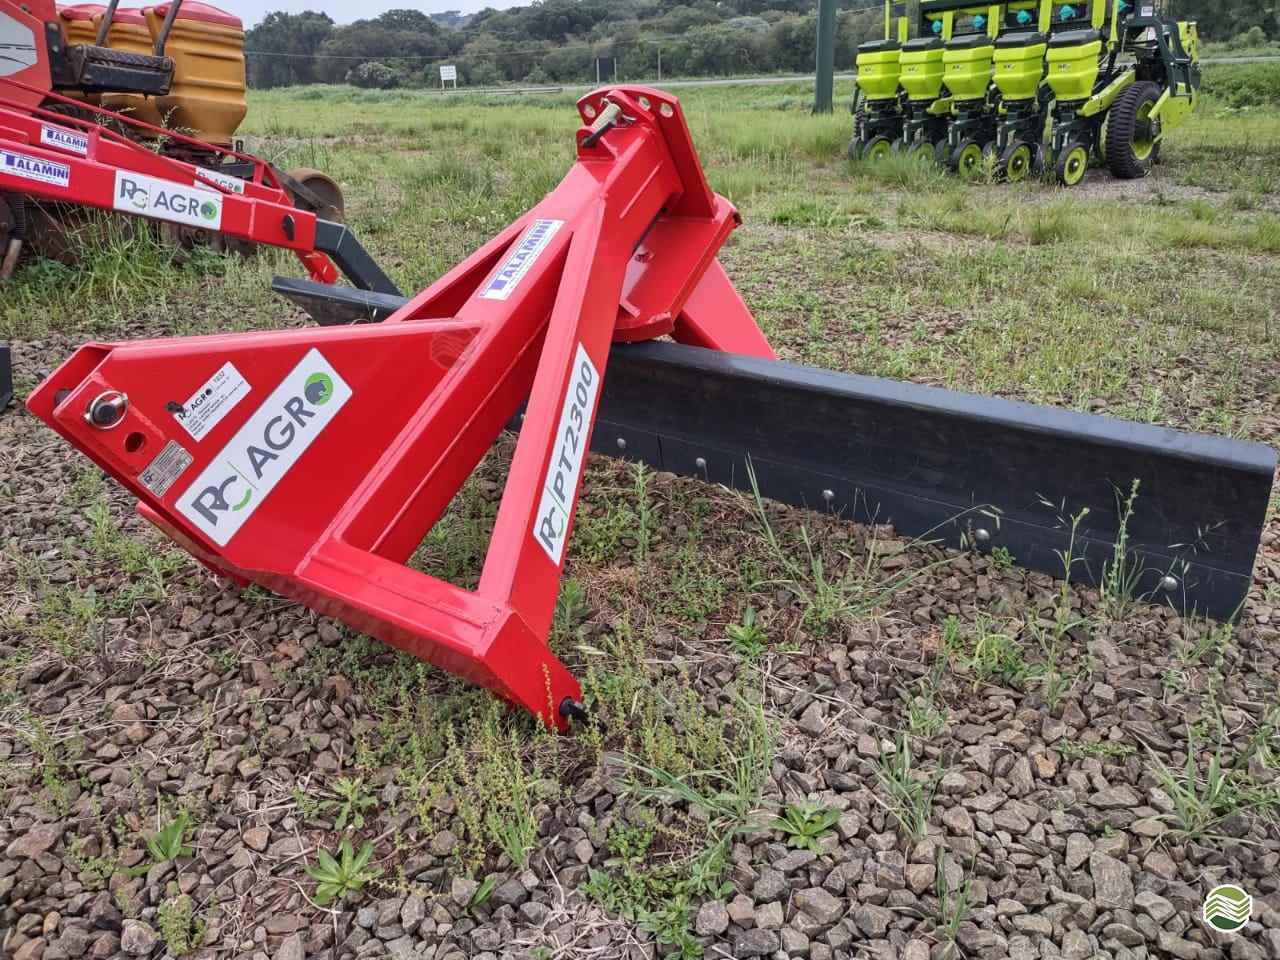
(824, 95)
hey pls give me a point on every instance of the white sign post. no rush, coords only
(448, 71)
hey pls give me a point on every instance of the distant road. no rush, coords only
(770, 80)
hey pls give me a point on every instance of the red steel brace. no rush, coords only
(313, 462)
(60, 158)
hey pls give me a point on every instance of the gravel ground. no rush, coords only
(1050, 833)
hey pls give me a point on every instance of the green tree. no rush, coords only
(281, 49)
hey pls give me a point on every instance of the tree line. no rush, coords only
(561, 40)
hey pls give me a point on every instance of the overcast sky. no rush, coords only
(344, 11)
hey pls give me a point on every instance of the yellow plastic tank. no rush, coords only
(129, 33)
(1019, 64)
(878, 69)
(1074, 64)
(967, 61)
(922, 68)
(79, 25)
(208, 92)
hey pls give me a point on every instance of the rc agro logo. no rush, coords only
(162, 200)
(1227, 908)
(261, 454)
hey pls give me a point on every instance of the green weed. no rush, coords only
(804, 825)
(348, 872)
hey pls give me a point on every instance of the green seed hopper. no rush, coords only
(1024, 86)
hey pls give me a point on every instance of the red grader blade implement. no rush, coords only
(313, 462)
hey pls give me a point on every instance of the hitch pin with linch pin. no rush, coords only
(607, 120)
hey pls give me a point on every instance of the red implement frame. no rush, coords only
(55, 157)
(331, 452)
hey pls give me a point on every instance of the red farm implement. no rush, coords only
(393, 418)
(62, 152)
(313, 462)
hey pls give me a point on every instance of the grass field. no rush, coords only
(817, 738)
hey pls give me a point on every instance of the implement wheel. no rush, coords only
(1132, 146)
(877, 149)
(967, 160)
(323, 196)
(1017, 161)
(1073, 163)
(923, 152)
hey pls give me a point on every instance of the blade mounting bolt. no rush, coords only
(622, 443)
(1169, 584)
(828, 495)
(982, 536)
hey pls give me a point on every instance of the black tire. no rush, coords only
(855, 149)
(1127, 131)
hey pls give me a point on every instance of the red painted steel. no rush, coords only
(346, 444)
(89, 173)
(29, 67)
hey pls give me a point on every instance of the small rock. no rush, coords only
(794, 943)
(1076, 946)
(509, 894)
(257, 838)
(742, 911)
(1115, 798)
(137, 939)
(820, 905)
(1112, 882)
(770, 885)
(768, 916)
(873, 921)
(1153, 905)
(534, 913)
(463, 890)
(444, 843)
(712, 919)
(812, 721)
(958, 821)
(921, 876)
(412, 913)
(755, 943)
(37, 840)
(291, 948)
(1078, 849)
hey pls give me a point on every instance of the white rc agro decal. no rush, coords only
(214, 400)
(224, 180)
(560, 489)
(535, 240)
(35, 168)
(61, 138)
(261, 454)
(163, 200)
